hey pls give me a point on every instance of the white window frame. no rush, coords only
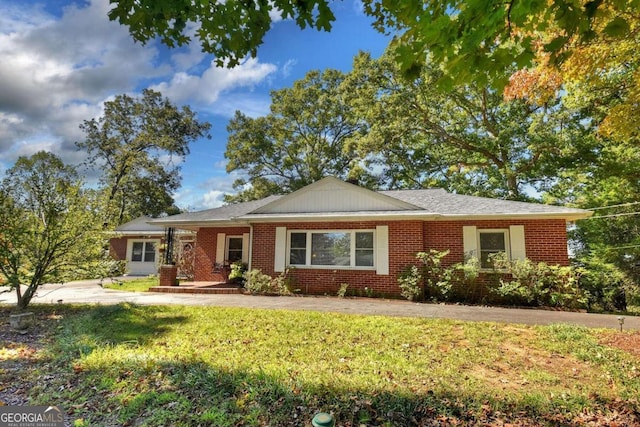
(144, 242)
(507, 243)
(352, 249)
(228, 247)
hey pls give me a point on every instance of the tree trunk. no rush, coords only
(25, 299)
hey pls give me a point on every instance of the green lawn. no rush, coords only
(188, 366)
(135, 285)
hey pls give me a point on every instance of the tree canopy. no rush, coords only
(466, 139)
(230, 30)
(133, 146)
(299, 142)
(473, 42)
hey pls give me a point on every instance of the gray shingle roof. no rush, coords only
(440, 202)
(139, 225)
(429, 203)
(223, 213)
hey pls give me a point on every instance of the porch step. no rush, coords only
(196, 290)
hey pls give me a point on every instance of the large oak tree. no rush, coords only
(136, 146)
(299, 142)
(467, 139)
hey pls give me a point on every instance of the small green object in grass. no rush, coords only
(323, 420)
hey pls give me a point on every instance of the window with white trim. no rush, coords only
(234, 249)
(143, 252)
(334, 248)
(492, 242)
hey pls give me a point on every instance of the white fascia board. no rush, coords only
(195, 225)
(426, 216)
(338, 217)
(245, 220)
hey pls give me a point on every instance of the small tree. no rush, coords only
(48, 230)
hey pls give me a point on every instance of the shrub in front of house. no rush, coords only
(512, 282)
(236, 275)
(258, 283)
(609, 288)
(431, 280)
(524, 282)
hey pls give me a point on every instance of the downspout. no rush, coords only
(250, 247)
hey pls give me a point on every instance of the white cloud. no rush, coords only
(252, 106)
(213, 199)
(206, 88)
(207, 194)
(56, 72)
(288, 67)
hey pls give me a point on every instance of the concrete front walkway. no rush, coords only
(92, 292)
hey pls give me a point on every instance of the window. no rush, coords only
(364, 249)
(491, 242)
(143, 252)
(234, 249)
(331, 248)
(298, 252)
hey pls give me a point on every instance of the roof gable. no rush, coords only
(333, 195)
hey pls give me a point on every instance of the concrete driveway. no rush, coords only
(90, 291)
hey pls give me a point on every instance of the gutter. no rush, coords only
(369, 216)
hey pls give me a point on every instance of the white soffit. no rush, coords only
(332, 195)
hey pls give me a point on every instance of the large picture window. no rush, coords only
(348, 248)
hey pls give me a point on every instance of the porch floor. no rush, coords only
(199, 288)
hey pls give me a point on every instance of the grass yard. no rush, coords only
(208, 366)
(135, 285)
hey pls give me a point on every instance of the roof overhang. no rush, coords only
(340, 217)
(196, 225)
(256, 218)
(158, 233)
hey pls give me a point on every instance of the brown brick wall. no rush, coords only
(118, 248)
(168, 274)
(205, 252)
(405, 240)
(545, 240)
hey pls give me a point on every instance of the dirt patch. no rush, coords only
(628, 342)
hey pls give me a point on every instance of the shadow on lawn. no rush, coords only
(149, 391)
(194, 393)
(127, 323)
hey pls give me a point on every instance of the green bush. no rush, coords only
(517, 282)
(411, 283)
(257, 282)
(609, 288)
(236, 275)
(432, 280)
(437, 278)
(524, 282)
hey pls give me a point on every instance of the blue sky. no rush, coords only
(62, 59)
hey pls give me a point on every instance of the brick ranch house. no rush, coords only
(333, 232)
